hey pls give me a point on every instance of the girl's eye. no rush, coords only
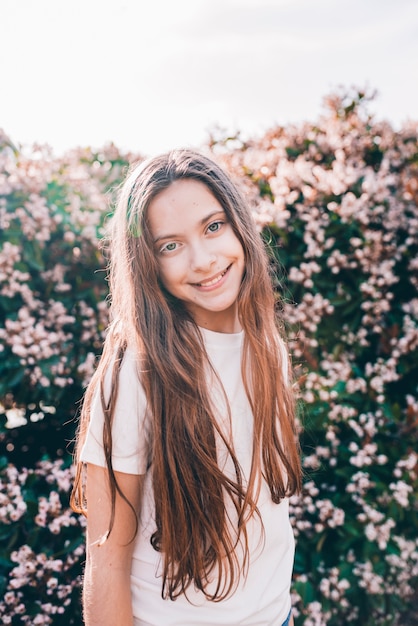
(215, 226)
(169, 247)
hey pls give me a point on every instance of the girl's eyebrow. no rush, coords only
(201, 222)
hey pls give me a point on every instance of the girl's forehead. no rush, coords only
(184, 203)
(184, 192)
(183, 187)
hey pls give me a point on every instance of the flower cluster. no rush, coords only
(42, 575)
(12, 503)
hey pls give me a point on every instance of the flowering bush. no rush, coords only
(337, 204)
(42, 546)
(52, 296)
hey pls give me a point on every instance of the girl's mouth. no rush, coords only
(213, 281)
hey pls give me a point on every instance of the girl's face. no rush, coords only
(201, 260)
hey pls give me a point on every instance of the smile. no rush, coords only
(213, 281)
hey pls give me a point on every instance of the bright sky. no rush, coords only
(150, 75)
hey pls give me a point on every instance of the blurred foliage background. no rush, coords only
(336, 203)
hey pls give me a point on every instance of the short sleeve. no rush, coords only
(131, 423)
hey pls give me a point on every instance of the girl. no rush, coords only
(187, 434)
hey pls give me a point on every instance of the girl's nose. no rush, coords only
(201, 258)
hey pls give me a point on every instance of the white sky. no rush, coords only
(150, 75)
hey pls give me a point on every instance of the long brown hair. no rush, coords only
(191, 492)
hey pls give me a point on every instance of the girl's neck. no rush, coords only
(226, 329)
(226, 322)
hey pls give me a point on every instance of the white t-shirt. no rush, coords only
(262, 598)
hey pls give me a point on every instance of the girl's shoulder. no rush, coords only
(119, 367)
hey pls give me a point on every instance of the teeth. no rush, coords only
(212, 282)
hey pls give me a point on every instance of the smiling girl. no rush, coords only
(187, 449)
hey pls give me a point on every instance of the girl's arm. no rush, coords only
(107, 587)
